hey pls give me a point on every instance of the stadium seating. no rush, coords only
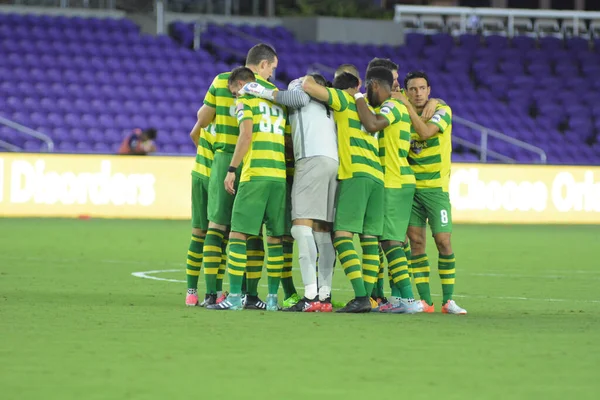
(539, 92)
(86, 82)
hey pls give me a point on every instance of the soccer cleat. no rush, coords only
(427, 308)
(452, 308)
(381, 301)
(222, 297)
(402, 307)
(254, 303)
(305, 305)
(374, 304)
(357, 305)
(272, 303)
(291, 301)
(233, 302)
(191, 299)
(209, 300)
(326, 305)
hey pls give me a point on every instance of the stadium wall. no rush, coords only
(43, 185)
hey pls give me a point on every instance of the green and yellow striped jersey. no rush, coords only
(220, 98)
(430, 159)
(394, 145)
(265, 159)
(205, 152)
(358, 150)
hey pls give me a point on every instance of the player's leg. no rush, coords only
(397, 210)
(439, 213)
(275, 224)
(222, 295)
(378, 292)
(372, 229)
(323, 237)
(246, 220)
(417, 231)
(255, 253)
(351, 205)
(220, 204)
(196, 247)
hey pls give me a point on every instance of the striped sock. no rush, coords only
(287, 282)
(378, 289)
(446, 268)
(274, 266)
(194, 261)
(370, 261)
(236, 264)
(408, 253)
(350, 263)
(420, 269)
(222, 266)
(212, 258)
(398, 267)
(254, 265)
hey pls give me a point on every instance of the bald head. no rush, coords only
(349, 69)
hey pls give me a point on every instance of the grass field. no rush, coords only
(75, 323)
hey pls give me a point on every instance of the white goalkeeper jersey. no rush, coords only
(313, 129)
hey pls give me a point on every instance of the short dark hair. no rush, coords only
(383, 62)
(151, 133)
(241, 74)
(320, 79)
(381, 74)
(260, 52)
(414, 75)
(345, 80)
(349, 68)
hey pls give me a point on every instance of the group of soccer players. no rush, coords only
(317, 164)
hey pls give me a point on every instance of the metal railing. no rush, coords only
(486, 133)
(466, 12)
(29, 132)
(98, 4)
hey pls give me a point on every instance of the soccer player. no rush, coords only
(219, 105)
(392, 121)
(429, 156)
(262, 188)
(360, 192)
(203, 139)
(313, 190)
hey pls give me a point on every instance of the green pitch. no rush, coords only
(75, 323)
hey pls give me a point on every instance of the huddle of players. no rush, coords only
(392, 167)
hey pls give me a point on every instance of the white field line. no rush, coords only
(150, 275)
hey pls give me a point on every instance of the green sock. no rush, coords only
(254, 266)
(350, 263)
(236, 264)
(378, 290)
(395, 291)
(194, 261)
(212, 258)
(408, 253)
(420, 270)
(287, 282)
(370, 262)
(222, 266)
(274, 266)
(446, 268)
(398, 267)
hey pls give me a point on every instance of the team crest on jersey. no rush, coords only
(235, 108)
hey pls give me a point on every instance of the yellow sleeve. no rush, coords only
(442, 118)
(337, 99)
(243, 109)
(210, 99)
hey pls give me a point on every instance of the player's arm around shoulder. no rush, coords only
(371, 121)
(423, 129)
(321, 93)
